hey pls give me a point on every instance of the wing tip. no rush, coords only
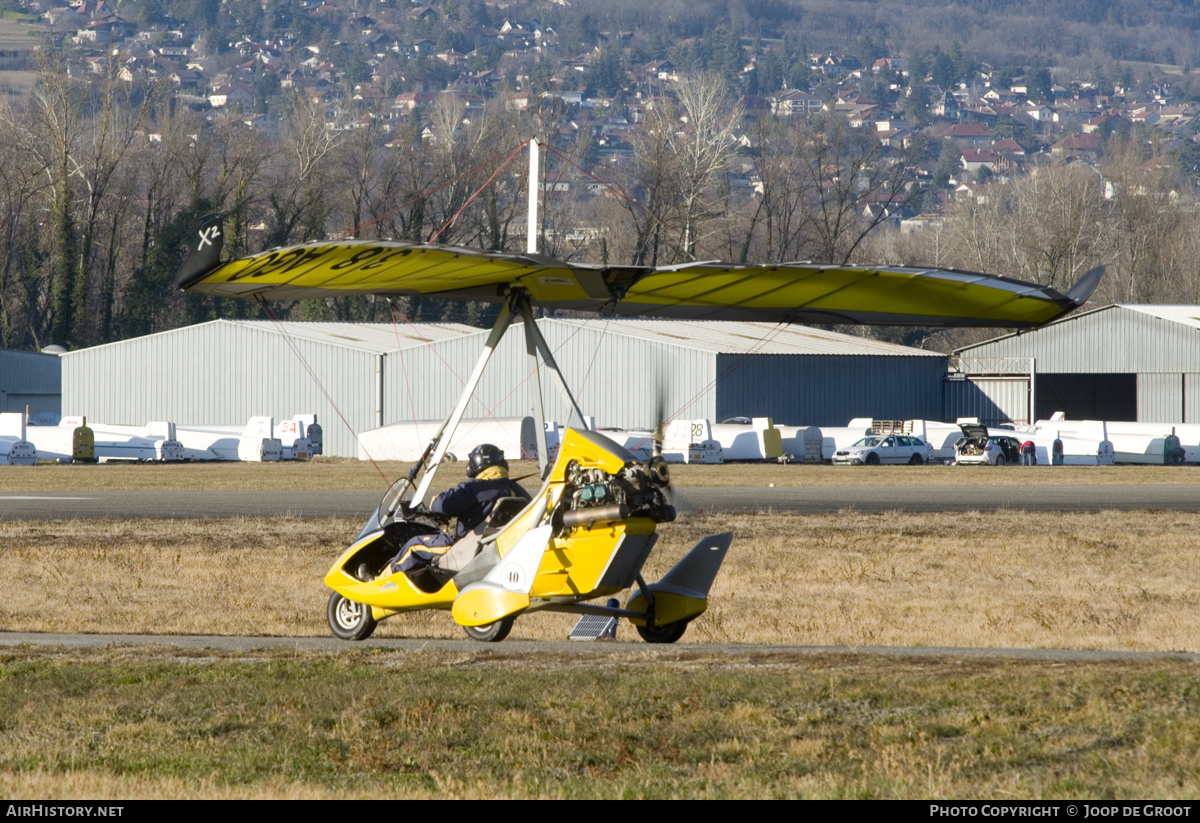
(1079, 293)
(204, 255)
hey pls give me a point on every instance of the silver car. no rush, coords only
(885, 448)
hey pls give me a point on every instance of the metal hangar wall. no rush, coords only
(1120, 362)
(226, 371)
(30, 379)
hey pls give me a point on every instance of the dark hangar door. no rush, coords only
(1086, 396)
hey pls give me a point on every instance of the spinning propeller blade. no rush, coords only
(657, 464)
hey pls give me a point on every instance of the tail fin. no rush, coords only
(693, 576)
(682, 594)
(259, 427)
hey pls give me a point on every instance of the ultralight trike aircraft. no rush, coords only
(587, 533)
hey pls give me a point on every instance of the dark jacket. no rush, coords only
(471, 502)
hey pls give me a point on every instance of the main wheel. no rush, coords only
(663, 634)
(492, 632)
(916, 460)
(349, 620)
(872, 459)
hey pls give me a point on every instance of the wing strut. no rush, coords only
(539, 411)
(446, 432)
(533, 333)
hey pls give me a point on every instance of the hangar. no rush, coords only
(29, 380)
(1119, 362)
(361, 376)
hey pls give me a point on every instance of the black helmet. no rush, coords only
(484, 456)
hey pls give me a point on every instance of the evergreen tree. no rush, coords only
(1038, 82)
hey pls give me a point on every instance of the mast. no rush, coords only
(531, 231)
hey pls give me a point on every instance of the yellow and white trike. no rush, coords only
(585, 535)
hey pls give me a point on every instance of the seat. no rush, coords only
(466, 547)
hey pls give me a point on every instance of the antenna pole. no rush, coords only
(531, 232)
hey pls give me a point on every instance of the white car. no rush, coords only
(979, 447)
(885, 448)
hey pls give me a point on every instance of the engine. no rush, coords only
(594, 495)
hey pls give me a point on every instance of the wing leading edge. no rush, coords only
(789, 292)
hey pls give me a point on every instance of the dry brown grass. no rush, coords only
(1113, 580)
(333, 473)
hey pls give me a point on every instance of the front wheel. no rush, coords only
(663, 634)
(492, 632)
(349, 620)
(872, 459)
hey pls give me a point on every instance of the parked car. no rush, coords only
(885, 448)
(979, 448)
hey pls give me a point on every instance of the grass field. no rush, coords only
(482, 724)
(19, 35)
(629, 721)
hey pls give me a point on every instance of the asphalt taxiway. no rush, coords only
(801, 500)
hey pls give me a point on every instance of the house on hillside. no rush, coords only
(1079, 146)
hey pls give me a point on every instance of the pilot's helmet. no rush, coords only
(484, 456)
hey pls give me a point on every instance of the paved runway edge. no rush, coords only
(525, 647)
(800, 500)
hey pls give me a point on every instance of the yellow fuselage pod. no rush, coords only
(594, 562)
(576, 563)
(391, 594)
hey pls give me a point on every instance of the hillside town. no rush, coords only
(398, 61)
(902, 145)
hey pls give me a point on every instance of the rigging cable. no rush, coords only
(623, 196)
(304, 362)
(486, 183)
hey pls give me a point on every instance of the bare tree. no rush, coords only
(1055, 231)
(51, 129)
(1045, 227)
(826, 186)
(1146, 218)
(116, 131)
(703, 147)
(312, 130)
(651, 184)
(22, 296)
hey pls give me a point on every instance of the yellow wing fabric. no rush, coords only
(791, 292)
(806, 293)
(334, 269)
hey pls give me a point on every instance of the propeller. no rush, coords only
(656, 465)
(660, 415)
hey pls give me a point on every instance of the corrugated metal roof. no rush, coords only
(730, 337)
(1186, 315)
(1122, 338)
(379, 338)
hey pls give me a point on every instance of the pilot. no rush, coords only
(471, 502)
